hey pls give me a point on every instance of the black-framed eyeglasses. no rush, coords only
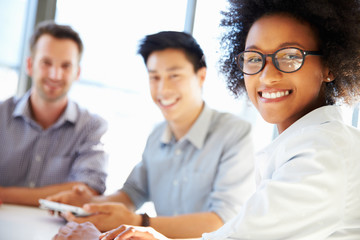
(286, 60)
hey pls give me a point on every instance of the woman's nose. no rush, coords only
(270, 73)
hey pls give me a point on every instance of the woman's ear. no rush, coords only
(329, 77)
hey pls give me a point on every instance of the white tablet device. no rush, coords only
(61, 207)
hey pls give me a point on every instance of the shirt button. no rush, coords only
(175, 182)
(38, 158)
(31, 184)
(178, 152)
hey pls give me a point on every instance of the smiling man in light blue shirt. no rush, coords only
(204, 171)
(197, 166)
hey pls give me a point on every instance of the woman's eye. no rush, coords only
(291, 56)
(253, 60)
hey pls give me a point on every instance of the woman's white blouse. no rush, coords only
(308, 184)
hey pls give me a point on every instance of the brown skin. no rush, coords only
(305, 86)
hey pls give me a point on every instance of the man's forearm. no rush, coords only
(187, 226)
(119, 196)
(31, 196)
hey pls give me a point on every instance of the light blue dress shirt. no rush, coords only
(211, 169)
(70, 150)
(308, 184)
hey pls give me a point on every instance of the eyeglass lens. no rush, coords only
(286, 60)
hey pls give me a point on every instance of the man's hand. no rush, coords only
(106, 216)
(131, 232)
(75, 231)
(77, 196)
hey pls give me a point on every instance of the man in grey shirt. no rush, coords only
(48, 143)
(197, 166)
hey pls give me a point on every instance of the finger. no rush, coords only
(128, 233)
(64, 230)
(59, 214)
(59, 199)
(79, 189)
(51, 198)
(59, 237)
(99, 208)
(113, 233)
(110, 234)
(72, 225)
(51, 212)
(72, 218)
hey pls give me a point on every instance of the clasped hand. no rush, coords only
(88, 231)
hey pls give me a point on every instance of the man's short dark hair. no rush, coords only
(174, 40)
(56, 31)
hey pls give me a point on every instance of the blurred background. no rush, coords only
(113, 81)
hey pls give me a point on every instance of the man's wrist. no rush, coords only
(145, 220)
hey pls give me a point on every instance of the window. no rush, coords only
(12, 30)
(114, 81)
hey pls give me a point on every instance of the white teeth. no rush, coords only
(167, 102)
(274, 95)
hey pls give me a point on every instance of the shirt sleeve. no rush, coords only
(235, 181)
(136, 185)
(302, 200)
(91, 161)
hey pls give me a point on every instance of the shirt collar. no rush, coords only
(316, 117)
(22, 109)
(198, 131)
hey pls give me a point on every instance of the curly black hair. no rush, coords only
(337, 23)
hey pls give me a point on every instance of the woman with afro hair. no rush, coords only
(296, 60)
